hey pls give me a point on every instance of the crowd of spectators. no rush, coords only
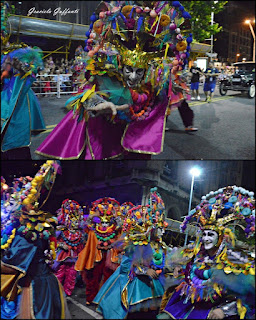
(46, 79)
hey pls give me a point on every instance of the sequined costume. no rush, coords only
(130, 288)
(98, 260)
(221, 279)
(29, 289)
(134, 56)
(70, 242)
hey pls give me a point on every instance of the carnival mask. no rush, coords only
(133, 76)
(105, 224)
(209, 239)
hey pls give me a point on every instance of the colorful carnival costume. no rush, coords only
(134, 54)
(138, 284)
(218, 278)
(20, 109)
(98, 260)
(28, 248)
(70, 242)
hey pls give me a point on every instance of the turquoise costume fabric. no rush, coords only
(29, 259)
(20, 113)
(140, 290)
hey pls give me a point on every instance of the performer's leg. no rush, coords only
(187, 114)
(60, 273)
(70, 279)
(91, 279)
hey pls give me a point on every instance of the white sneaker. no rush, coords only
(193, 98)
(198, 98)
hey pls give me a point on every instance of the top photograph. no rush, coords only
(151, 80)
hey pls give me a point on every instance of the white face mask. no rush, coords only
(105, 224)
(132, 76)
(210, 239)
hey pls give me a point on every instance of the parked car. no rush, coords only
(243, 79)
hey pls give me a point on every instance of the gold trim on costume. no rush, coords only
(108, 289)
(133, 304)
(146, 152)
(61, 299)
(89, 143)
(61, 158)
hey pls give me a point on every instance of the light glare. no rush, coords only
(195, 171)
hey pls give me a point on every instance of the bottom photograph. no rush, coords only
(128, 239)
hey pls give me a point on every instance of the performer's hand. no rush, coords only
(152, 274)
(109, 105)
(176, 271)
(216, 314)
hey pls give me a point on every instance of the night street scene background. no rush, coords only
(86, 181)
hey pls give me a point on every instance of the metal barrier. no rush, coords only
(57, 85)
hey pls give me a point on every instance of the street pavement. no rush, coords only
(79, 310)
(226, 128)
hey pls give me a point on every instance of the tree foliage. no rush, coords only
(201, 17)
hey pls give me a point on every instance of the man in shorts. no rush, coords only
(211, 75)
(194, 86)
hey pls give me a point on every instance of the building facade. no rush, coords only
(235, 42)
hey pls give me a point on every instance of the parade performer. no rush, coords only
(98, 260)
(29, 289)
(218, 278)
(138, 284)
(70, 242)
(134, 55)
(20, 109)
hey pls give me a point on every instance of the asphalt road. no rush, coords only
(79, 310)
(226, 128)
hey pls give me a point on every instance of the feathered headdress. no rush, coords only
(227, 206)
(139, 35)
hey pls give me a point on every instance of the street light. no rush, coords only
(237, 55)
(195, 172)
(253, 35)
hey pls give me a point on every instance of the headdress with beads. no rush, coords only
(29, 220)
(70, 212)
(104, 210)
(125, 207)
(157, 209)
(139, 34)
(142, 220)
(226, 206)
(211, 276)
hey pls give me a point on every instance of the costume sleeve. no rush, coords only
(20, 254)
